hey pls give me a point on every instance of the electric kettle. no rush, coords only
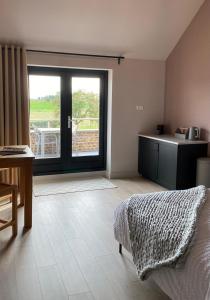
(193, 133)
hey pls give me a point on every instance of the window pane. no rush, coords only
(45, 115)
(85, 116)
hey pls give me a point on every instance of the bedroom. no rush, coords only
(165, 71)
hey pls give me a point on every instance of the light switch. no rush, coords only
(139, 107)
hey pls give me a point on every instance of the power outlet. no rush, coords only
(139, 107)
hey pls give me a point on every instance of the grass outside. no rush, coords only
(47, 114)
(44, 106)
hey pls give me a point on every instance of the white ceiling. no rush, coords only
(146, 29)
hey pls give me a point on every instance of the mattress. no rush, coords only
(191, 281)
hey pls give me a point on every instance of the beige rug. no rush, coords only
(67, 185)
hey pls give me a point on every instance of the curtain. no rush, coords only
(14, 111)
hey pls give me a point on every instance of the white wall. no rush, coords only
(135, 82)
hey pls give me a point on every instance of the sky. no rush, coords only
(41, 86)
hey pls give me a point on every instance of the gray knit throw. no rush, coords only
(162, 226)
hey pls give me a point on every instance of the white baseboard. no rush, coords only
(110, 175)
(42, 178)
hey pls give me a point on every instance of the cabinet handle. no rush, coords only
(156, 146)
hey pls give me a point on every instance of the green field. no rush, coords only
(44, 113)
(44, 110)
(44, 106)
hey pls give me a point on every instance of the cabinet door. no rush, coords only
(167, 165)
(148, 158)
(187, 164)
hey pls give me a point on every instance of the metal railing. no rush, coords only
(91, 123)
(45, 140)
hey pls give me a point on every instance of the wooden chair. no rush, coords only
(9, 181)
(7, 190)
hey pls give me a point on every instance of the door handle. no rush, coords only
(69, 122)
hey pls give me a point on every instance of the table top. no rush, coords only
(28, 155)
(48, 130)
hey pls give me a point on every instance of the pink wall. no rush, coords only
(187, 98)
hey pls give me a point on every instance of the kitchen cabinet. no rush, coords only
(168, 161)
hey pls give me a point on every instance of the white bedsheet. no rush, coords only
(192, 280)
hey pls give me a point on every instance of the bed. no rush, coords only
(191, 281)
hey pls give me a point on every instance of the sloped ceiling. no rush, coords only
(145, 29)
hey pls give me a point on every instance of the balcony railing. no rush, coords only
(45, 139)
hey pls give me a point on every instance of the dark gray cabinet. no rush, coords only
(149, 153)
(169, 164)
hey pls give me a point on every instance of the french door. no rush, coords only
(68, 117)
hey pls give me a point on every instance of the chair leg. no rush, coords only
(120, 248)
(14, 213)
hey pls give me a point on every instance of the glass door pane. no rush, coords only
(85, 116)
(68, 111)
(45, 115)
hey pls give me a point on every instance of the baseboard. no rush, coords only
(42, 178)
(110, 175)
(122, 174)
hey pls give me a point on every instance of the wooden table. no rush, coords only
(24, 163)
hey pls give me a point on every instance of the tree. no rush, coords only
(84, 105)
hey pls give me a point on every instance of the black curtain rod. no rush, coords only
(119, 58)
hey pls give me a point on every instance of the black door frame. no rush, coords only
(66, 163)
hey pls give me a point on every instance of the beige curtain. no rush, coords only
(14, 112)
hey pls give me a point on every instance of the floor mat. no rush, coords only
(67, 185)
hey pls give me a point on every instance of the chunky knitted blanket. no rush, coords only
(162, 226)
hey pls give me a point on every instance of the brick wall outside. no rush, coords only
(86, 140)
(83, 141)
